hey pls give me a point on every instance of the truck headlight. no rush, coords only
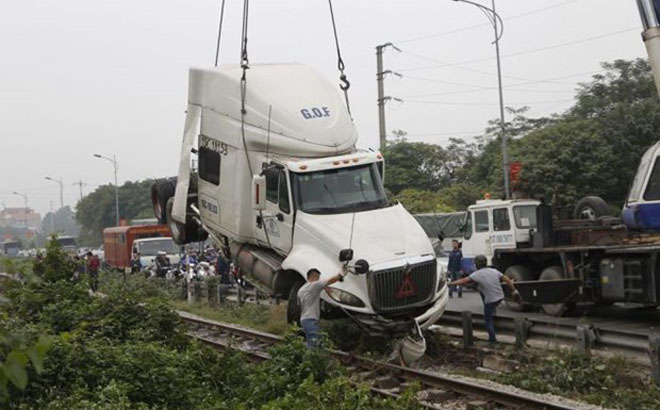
(345, 298)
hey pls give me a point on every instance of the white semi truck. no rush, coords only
(285, 188)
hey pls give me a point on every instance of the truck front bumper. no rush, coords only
(379, 325)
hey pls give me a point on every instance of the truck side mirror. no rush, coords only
(258, 192)
(361, 266)
(345, 255)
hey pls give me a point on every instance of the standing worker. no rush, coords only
(454, 267)
(489, 282)
(93, 265)
(309, 296)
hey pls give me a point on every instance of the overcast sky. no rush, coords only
(79, 77)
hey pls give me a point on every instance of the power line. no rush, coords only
(482, 89)
(477, 88)
(526, 81)
(485, 104)
(484, 24)
(443, 134)
(518, 53)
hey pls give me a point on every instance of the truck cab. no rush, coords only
(281, 183)
(148, 249)
(642, 208)
(497, 224)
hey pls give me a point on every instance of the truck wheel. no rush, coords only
(518, 273)
(161, 191)
(177, 228)
(591, 208)
(293, 309)
(555, 309)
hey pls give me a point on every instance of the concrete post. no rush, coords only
(521, 328)
(468, 339)
(654, 355)
(222, 291)
(585, 338)
(198, 291)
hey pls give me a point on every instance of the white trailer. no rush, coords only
(284, 186)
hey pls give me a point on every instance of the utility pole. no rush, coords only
(498, 26)
(505, 152)
(113, 161)
(80, 185)
(380, 77)
(52, 225)
(59, 181)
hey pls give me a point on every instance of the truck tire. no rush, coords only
(177, 228)
(518, 273)
(293, 309)
(591, 208)
(161, 191)
(555, 309)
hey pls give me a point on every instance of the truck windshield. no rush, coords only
(342, 190)
(150, 248)
(525, 216)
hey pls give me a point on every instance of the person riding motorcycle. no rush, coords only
(163, 264)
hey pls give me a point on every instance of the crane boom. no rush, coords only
(649, 11)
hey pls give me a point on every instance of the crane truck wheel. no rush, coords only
(177, 228)
(293, 309)
(161, 191)
(555, 309)
(518, 273)
(591, 208)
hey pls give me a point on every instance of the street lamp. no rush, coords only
(26, 206)
(59, 181)
(498, 26)
(113, 161)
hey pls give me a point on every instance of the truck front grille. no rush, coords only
(403, 287)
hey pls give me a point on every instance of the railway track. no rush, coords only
(438, 391)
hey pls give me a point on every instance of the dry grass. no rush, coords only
(267, 318)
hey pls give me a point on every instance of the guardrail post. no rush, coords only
(585, 338)
(184, 289)
(197, 291)
(222, 294)
(190, 294)
(654, 355)
(241, 295)
(521, 327)
(467, 329)
(256, 296)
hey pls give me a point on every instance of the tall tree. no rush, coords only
(96, 211)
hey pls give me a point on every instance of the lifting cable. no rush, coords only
(345, 84)
(245, 65)
(217, 47)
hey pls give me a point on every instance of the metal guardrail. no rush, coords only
(584, 335)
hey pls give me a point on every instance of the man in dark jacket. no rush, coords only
(454, 267)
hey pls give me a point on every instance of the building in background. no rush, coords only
(20, 218)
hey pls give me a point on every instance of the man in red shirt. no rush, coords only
(93, 265)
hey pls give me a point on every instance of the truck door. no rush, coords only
(502, 236)
(275, 224)
(477, 239)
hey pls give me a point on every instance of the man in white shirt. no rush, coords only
(489, 283)
(309, 296)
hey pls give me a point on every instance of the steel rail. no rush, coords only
(467, 389)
